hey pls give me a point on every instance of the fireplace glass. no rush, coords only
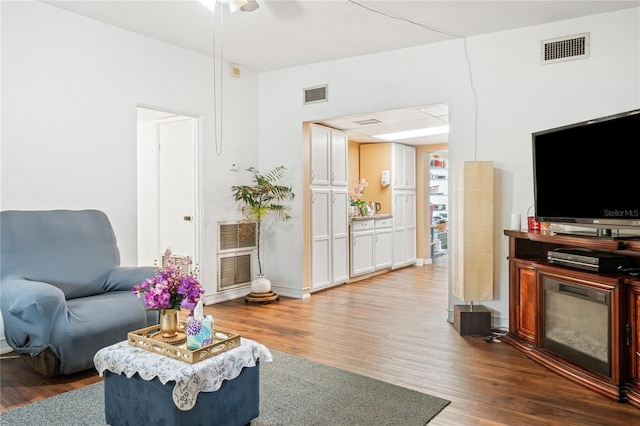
(576, 324)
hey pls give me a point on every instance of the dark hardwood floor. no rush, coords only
(394, 328)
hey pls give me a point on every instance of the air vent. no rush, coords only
(316, 94)
(367, 122)
(233, 236)
(234, 270)
(565, 48)
(236, 241)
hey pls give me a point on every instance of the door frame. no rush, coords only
(196, 167)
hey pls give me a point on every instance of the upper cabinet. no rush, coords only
(329, 204)
(328, 156)
(404, 166)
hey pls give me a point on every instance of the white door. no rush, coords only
(176, 189)
(167, 185)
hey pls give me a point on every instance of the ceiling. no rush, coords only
(289, 33)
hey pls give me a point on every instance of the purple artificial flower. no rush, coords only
(172, 287)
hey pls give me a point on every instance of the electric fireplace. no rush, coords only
(576, 324)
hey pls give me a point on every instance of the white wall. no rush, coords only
(516, 96)
(70, 88)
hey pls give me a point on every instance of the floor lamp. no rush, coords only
(472, 245)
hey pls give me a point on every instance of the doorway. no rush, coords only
(167, 184)
(369, 128)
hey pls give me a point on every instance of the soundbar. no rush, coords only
(589, 260)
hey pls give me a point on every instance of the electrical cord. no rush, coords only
(466, 54)
(496, 335)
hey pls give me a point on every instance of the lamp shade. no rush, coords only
(472, 231)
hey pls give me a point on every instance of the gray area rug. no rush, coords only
(293, 391)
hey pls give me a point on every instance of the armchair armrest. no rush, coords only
(123, 278)
(29, 309)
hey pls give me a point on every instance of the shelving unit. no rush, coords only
(438, 202)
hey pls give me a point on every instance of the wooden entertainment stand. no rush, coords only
(528, 266)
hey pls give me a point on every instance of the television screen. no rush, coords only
(588, 173)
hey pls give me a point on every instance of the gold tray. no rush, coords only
(222, 341)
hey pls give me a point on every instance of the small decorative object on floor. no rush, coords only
(171, 288)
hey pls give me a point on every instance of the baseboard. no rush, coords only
(4, 347)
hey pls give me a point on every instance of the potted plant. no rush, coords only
(261, 198)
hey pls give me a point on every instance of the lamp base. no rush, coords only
(469, 322)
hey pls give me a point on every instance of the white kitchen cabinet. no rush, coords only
(328, 156)
(362, 245)
(382, 249)
(320, 238)
(330, 238)
(329, 204)
(404, 166)
(371, 245)
(339, 236)
(404, 228)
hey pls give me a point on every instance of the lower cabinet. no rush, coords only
(404, 228)
(371, 245)
(330, 238)
(632, 340)
(525, 307)
(383, 246)
(362, 244)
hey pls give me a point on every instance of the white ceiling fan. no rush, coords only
(234, 5)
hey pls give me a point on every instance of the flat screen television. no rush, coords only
(588, 174)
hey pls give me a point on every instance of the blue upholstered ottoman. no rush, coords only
(135, 401)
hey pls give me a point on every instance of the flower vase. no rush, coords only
(168, 323)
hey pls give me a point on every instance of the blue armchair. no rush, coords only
(63, 293)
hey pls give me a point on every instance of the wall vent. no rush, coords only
(234, 270)
(236, 244)
(316, 94)
(234, 236)
(367, 122)
(565, 48)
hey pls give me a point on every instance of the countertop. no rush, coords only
(375, 216)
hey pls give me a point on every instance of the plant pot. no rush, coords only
(260, 285)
